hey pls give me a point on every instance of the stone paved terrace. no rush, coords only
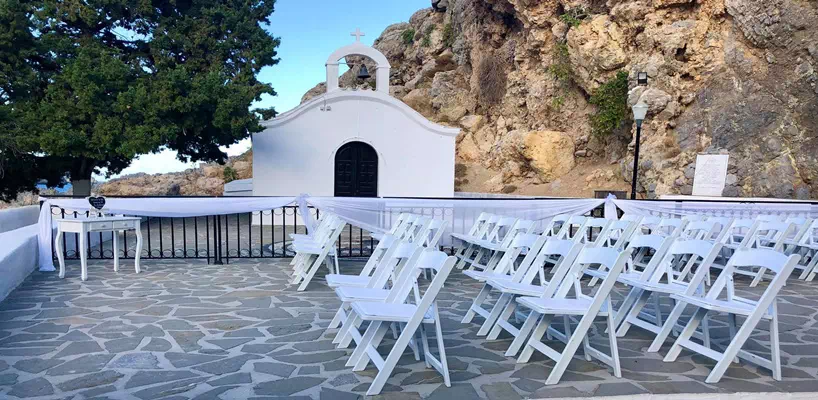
(188, 330)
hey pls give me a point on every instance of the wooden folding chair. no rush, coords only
(589, 308)
(412, 317)
(733, 305)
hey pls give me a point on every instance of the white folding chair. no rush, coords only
(325, 223)
(808, 249)
(484, 232)
(767, 235)
(397, 229)
(564, 252)
(498, 239)
(708, 230)
(618, 234)
(670, 276)
(314, 255)
(588, 307)
(522, 241)
(733, 305)
(376, 278)
(413, 317)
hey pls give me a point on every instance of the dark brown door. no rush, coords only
(356, 171)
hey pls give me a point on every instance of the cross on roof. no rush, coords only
(357, 34)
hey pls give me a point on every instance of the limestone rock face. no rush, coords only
(733, 77)
(548, 153)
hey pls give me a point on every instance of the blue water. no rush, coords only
(62, 189)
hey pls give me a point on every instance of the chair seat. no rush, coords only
(388, 312)
(336, 280)
(465, 238)
(307, 247)
(300, 236)
(559, 306)
(349, 294)
(732, 307)
(482, 276)
(669, 288)
(490, 245)
(522, 289)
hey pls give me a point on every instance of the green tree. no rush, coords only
(89, 85)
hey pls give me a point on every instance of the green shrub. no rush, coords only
(561, 68)
(611, 101)
(427, 36)
(574, 16)
(449, 35)
(408, 36)
(557, 102)
(230, 174)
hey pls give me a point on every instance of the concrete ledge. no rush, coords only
(15, 218)
(18, 257)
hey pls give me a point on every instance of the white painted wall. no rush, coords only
(296, 152)
(14, 218)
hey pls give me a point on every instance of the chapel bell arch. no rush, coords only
(382, 65)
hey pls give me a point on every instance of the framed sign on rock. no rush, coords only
(711, 174)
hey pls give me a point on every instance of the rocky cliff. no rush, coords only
(542, 90)
(527, 80)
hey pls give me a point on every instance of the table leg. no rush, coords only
(138, 246)
(60, 256)
(83, 255)
(115, 237)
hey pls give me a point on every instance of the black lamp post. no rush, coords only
(640, 111)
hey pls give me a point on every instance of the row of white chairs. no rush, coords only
(386, 295)
(655, 258)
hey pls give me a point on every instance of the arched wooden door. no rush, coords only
(356, 171)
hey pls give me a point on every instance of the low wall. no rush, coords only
(15, 218)
(18, 257)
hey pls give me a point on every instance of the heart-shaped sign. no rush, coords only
(97, 202)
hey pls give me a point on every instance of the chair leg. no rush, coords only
(570, 349)
(391, 360)
(686, 334)
(504, 316)
(612, 342)
(634, 312)
(775, 349)
(536, 336)
(339, 318)
(373, 335)
(667, 327)
(625, 307)
(495, 313)
(522, 336)
(478, 302)
(343, 336)
(441, 349)
(426, 349)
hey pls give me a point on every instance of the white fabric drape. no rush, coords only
(151, 207)
(378, 214)
(719, 209)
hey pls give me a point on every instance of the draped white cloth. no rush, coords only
(378, 214)
(150, 207)
(719, 209)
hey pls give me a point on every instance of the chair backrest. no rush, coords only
(693, 217)
(593, 232)
(618, 234)
(739, 230)
(419, 230)
(769, 218)
(589, 258)
(504, 230)
(430, 295)
(479, 223)
(520, 242)
(702, 230)
(572, 228)
(648, 224)
(566, 252)
(670, 226)
(407, 277)
(436, 229)
(639, 244)
(770, 234)
(531, 244)
(775, 262)
(678, 262)
(810, 236)
(398, 222)
(631, 217)
(396, 257)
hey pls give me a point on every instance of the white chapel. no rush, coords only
(361, 143)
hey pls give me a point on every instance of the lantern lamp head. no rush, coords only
(642, 78)
(640, 111)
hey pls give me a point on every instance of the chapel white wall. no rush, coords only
(298, 156)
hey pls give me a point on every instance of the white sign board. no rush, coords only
(711, 174)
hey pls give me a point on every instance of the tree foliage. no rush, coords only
(88, 85)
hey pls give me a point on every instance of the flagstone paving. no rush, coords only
(187, 330)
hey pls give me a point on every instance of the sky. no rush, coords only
(310, 30)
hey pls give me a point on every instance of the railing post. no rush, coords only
(217, 239)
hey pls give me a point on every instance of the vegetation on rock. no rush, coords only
(408, 36)
(611, 100)
(492, 77)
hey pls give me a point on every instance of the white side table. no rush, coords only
(83, 226)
